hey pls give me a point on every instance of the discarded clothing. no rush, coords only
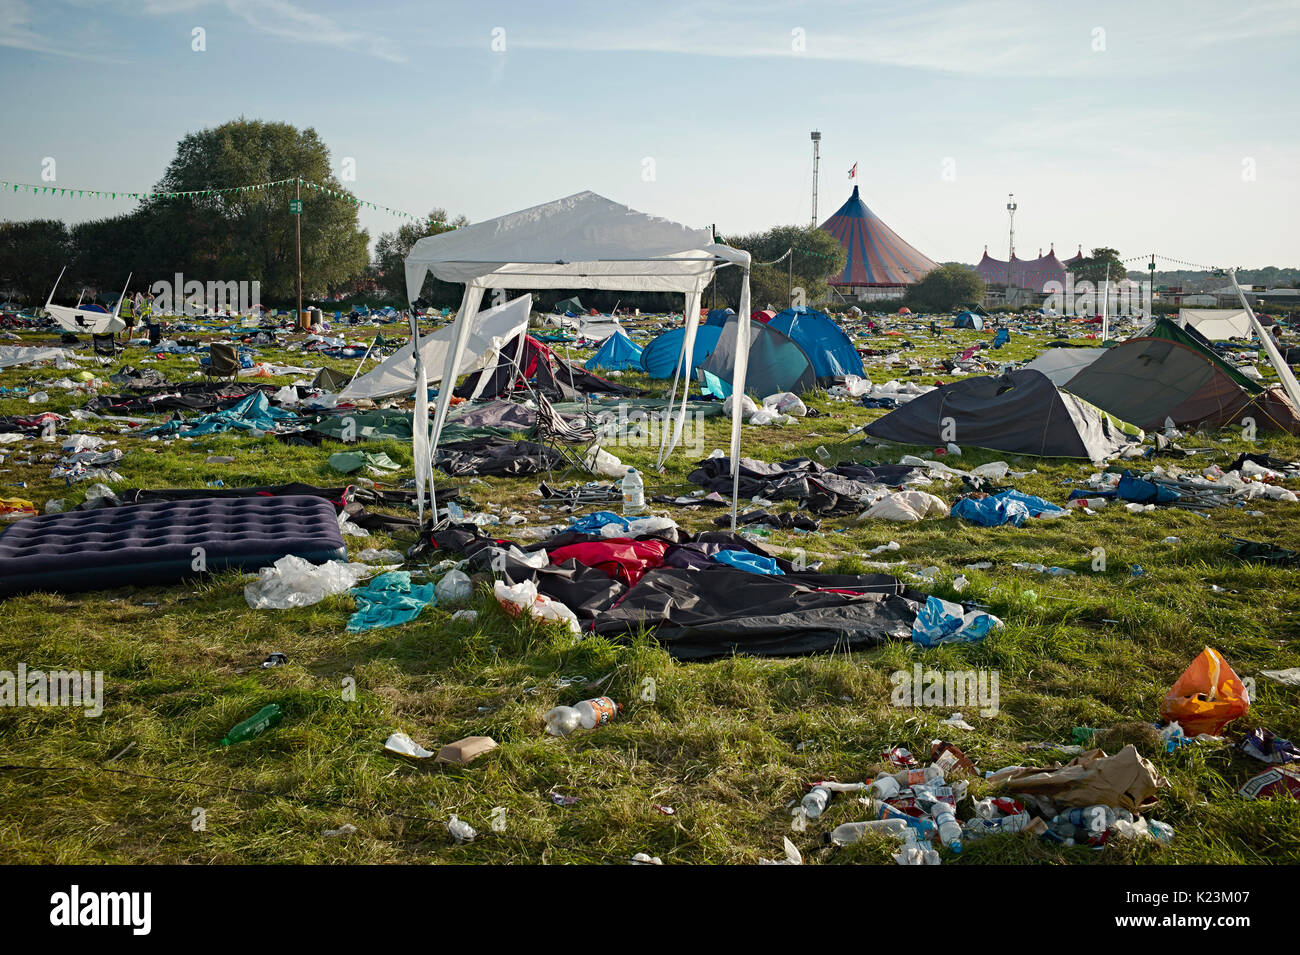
(388, 600)
(497, 457)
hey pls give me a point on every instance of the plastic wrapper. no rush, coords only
(294, 582)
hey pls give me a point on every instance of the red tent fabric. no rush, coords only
(763, 315)
(620, 557)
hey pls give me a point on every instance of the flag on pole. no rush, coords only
(853, 171)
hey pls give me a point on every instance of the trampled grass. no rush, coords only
(726, 744)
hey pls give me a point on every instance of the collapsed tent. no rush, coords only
(618, 353)
(1021, 412)
(697, 604)
(570, 306)
(822, 340)
(525, 362)
(581, 241)
(775, 363)
(1062, 364)
(489, 331)
(1170, 372)
(661, 357)
(91, 319)
(1216, 324)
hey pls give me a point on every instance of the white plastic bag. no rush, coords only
(747, 406)
(524, 598)
(907, 506)
(294, 582)
(454, 587)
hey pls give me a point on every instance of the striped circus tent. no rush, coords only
(877, 257)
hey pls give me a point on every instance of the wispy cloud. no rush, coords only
(18, 32)
(996, 38)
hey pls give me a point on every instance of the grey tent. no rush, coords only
(776, 363)
(570, 306)
(1021, 412)
(1171, 372)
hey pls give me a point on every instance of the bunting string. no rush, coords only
(70, 192)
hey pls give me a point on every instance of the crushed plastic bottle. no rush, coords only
(589, 714)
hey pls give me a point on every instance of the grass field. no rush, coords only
(727, 744)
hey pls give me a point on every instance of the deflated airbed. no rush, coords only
(145, 544)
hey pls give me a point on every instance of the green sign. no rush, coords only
(295, 206)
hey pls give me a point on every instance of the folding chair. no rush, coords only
(223, 361)
(577, 443)
(106, 345)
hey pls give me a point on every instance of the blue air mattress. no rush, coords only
(144, 544)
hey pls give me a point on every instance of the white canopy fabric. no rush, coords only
(1216, 324)
(595, 328)
(86, 322)
(11, 355)
(1062, 364)
(581, 241)
(488, 332)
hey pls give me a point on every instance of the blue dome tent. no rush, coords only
(660, 355)
(969, 320)
(618, 353)
(822, 340)
(718, 316)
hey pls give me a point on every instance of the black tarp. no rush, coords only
(825, 490)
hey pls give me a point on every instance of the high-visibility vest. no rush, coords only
(126, 308)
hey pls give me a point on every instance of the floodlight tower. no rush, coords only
(1011, 212)
(817, 148)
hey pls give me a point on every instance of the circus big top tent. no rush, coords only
(878, 260)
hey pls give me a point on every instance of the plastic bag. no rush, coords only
(787, 403)
(523, 597)
(941, 621)
(454, 587)
(1207, 697)
(747, 406)
(294, 582)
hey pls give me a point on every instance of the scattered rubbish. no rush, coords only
(265, 718)
(276, 659)
(1207, 697)
(460, 830)
(642, 859)
(589, 714)
(1278, 781)
(454, 587)
(347, 829)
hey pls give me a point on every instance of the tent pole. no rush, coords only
(1289, 384)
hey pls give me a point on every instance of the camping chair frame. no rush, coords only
(105, 345)
(223, 361)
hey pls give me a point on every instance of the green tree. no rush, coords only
(31, 255)
(944, 288)
(1093, 267)
(249, 235)
(390, 257)
(817, 256)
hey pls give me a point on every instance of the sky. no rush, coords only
(1157, 126)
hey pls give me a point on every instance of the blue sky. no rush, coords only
(1153, 126)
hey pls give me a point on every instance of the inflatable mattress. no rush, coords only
(145, 544)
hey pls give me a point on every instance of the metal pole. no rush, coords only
(790, 278)
(298, 229)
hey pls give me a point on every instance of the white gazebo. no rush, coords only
(582, 241)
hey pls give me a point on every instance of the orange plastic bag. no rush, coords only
(1207, 697)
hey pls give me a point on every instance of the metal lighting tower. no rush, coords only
(1011, 241)
(1011, 211)
(817, 149)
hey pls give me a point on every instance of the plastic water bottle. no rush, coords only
(633, 494)
(851, 832)
(815, 803)
(563, 720)
(949, 829)
(884, 787)
(259, 722)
